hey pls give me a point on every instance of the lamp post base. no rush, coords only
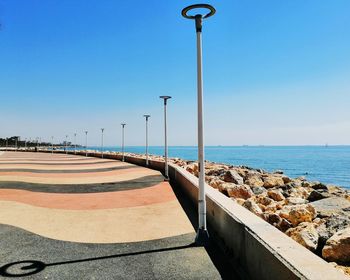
(202, 237)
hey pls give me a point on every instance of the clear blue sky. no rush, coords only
(275, 72)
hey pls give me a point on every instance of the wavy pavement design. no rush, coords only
(106, 200)
(129, 224)
(78, 178)
(90, 200)
(138, 183)
(49, 163)
(64, 166)
(22, 170)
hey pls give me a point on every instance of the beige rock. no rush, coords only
(296, 200)
(232, 176)
(271, 181)
(275, 195)
(337, 248)
(239, 191)
(264, 200)
(286, 179)
(329, 206)
(262, 207)
(240, 201)
(300, 192)
(253, 207)
(254, 181)
(280, 204)
(297, 214)
(215, 183)
(192, 168)
(305, 234)
(222, 187)
(242, 172)
(271, 208)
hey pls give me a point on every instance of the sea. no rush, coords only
(327, 164)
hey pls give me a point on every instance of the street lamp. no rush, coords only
(25, 144)
(16, 145)
(51, 144)
(7, 143)
(147, 117)
(123, 139)
(102, 129)
(202, 233)
(166, 169)
(66, 144)
(86, 152)
(75, 143)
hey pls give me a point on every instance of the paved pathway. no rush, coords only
(87, 218)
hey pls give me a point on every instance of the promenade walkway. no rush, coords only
(73, 217)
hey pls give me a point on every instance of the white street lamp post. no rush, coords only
(102, 130)
(147, 117)
(25, 144)
(51, 144)
(123, 141)
(86, 135)
(202, 233)
(66, 144)
(75, 143)
(166, 168)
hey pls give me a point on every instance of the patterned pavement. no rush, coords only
(61, 207)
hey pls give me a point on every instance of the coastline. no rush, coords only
(317, 163)
(314, 214)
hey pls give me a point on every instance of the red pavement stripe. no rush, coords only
(159, 193)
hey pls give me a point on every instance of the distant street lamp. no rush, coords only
(202, 233)
(66, 144)
(75, 143)
(16, 145)
(25, 144)
(166, 168)
(37, 143)
(86, 152)
(102, 130)
(51, 144)
(147, 117)
(7, 143)
(123, 139)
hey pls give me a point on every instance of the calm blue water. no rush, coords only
(329, 165)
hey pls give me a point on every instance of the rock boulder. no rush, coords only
(305, 234)
(239, 191)
(337, 248)
(271, 181)
(232, 176)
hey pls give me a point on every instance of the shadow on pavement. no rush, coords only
(30, 267)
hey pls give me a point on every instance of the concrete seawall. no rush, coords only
(258, 249)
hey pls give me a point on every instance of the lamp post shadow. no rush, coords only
(31, 267)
